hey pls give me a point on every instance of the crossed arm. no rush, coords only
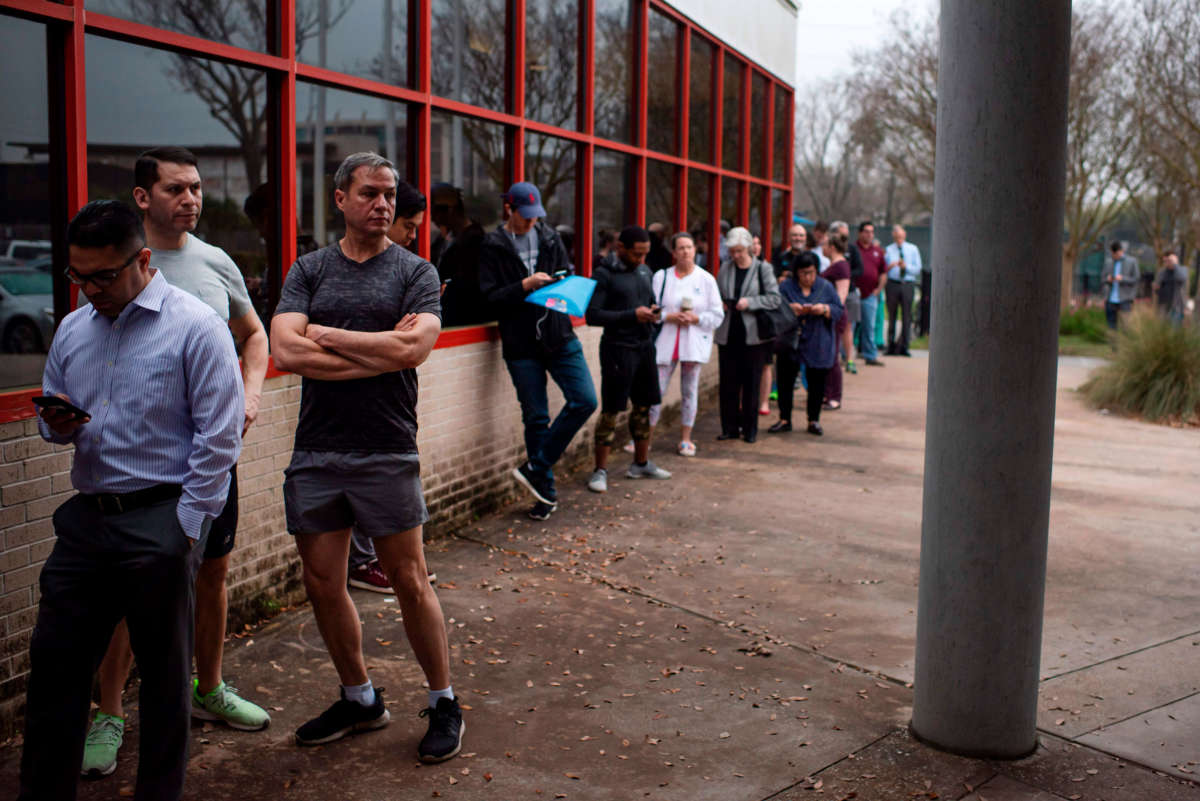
(335, 354)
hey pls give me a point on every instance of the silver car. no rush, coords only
(26, 310)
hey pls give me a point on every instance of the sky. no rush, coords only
(830, 31)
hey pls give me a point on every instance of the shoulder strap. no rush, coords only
(662, 288)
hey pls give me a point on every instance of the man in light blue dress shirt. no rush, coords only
(904, 272)
(157, 373)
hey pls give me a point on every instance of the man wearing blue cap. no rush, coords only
(522, 255)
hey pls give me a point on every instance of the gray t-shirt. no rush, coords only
(526, 245)
(362, 414)
(205, 272)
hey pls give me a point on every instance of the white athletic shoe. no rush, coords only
(647, 470)
(599, 481)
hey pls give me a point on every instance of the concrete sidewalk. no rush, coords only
(746, 631)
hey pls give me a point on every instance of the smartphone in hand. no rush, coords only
(560, 275)
(55, 402)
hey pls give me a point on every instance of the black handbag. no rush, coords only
(778, 324)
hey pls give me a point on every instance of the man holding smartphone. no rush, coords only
(524, 254)
(624, 304)
(157, 372)
(167, 189)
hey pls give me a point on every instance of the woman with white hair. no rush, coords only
(747, 284)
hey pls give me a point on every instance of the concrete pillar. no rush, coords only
(998, 213)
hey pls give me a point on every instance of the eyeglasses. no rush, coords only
(101, 278)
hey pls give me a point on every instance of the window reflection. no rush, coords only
(468, 165)
(26, 283)
(367, 38)
(700, 101)
(469, 53)
(611, 190)
(614, 69)
(662, 86)
(550, 166)
(781, 220)
(699, 192)
(330, 125)
(218, 111)
(754, 223)
(783, 111)
(552, 62)
(731, 114)
(661, 187)
(730, 203)
(758, 125)
(241, 23)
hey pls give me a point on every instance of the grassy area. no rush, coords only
(1068, 345)
(1080, 333)
(1155, 372)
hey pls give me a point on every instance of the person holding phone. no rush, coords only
(522, 255)
(818, 307)
(624, 304)
(157, 373)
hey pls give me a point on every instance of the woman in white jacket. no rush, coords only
(691, 311)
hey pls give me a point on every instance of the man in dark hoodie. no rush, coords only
(624, 304)
(522, 255)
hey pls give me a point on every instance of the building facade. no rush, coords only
(622, 111)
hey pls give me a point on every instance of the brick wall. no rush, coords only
(470, 438)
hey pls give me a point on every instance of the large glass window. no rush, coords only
(216, 110)
(783, 111)
(552, 62)
(731, 115)
(468, 164)
(611, 191)
(614, 69)
(755, 223)
(469, 53)
(550, 166)
(700, 101)
(758, 125)
(699, 192)
(367, 38)
(661, 187)
(730, 204)
(330, 125)
(662, 118)
(781, 220)
(241, 23)
(26, 279)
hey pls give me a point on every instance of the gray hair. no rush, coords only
(372, 161)
(839, 224)
(739, 238)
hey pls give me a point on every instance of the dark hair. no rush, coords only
(681, 235)
(632, 234)
(1116, 245)
(839, 242)
(821, 226)
(805, 260)
(862, 225)
(145, 170)
(258, 202)
(409, 200)
(106, 223)
(606, 237)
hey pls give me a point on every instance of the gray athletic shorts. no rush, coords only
(853, 307)
(380, 493)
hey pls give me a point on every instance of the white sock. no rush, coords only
(360, 693)
(434, 695)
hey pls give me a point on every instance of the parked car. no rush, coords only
(26, 310)
(23, 250)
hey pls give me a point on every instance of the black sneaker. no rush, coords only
(541, 511)
(541, 489)
(344, 717)
(446, 727)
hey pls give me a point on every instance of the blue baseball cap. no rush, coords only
(525, 198)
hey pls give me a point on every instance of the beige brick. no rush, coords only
(20, 578)
(44, 507)
(28, 533)
(11, 516)
(23, 491)
(47, 465)
(12, 430)
(15, 601)
(12, 473)
(22, 449)
(14, 558)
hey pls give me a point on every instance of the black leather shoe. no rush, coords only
(726, 435)
(749, 438)
(815, 429)
(903, 353)
(780, 427)
(876, 363)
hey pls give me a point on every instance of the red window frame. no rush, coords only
(70, 20)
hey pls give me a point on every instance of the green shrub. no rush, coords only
(1087, 323)
(1155, 372)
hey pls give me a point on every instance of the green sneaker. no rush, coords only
(104, 739)
(224, 704)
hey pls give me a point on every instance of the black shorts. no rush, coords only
(224, 528)
(627, 374)
(379, 493)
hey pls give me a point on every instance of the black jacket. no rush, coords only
(620, 289)
(526, 331)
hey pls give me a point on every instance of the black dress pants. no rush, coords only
(740, 370)
(138, 565)
(816, 379)
(899, 299)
